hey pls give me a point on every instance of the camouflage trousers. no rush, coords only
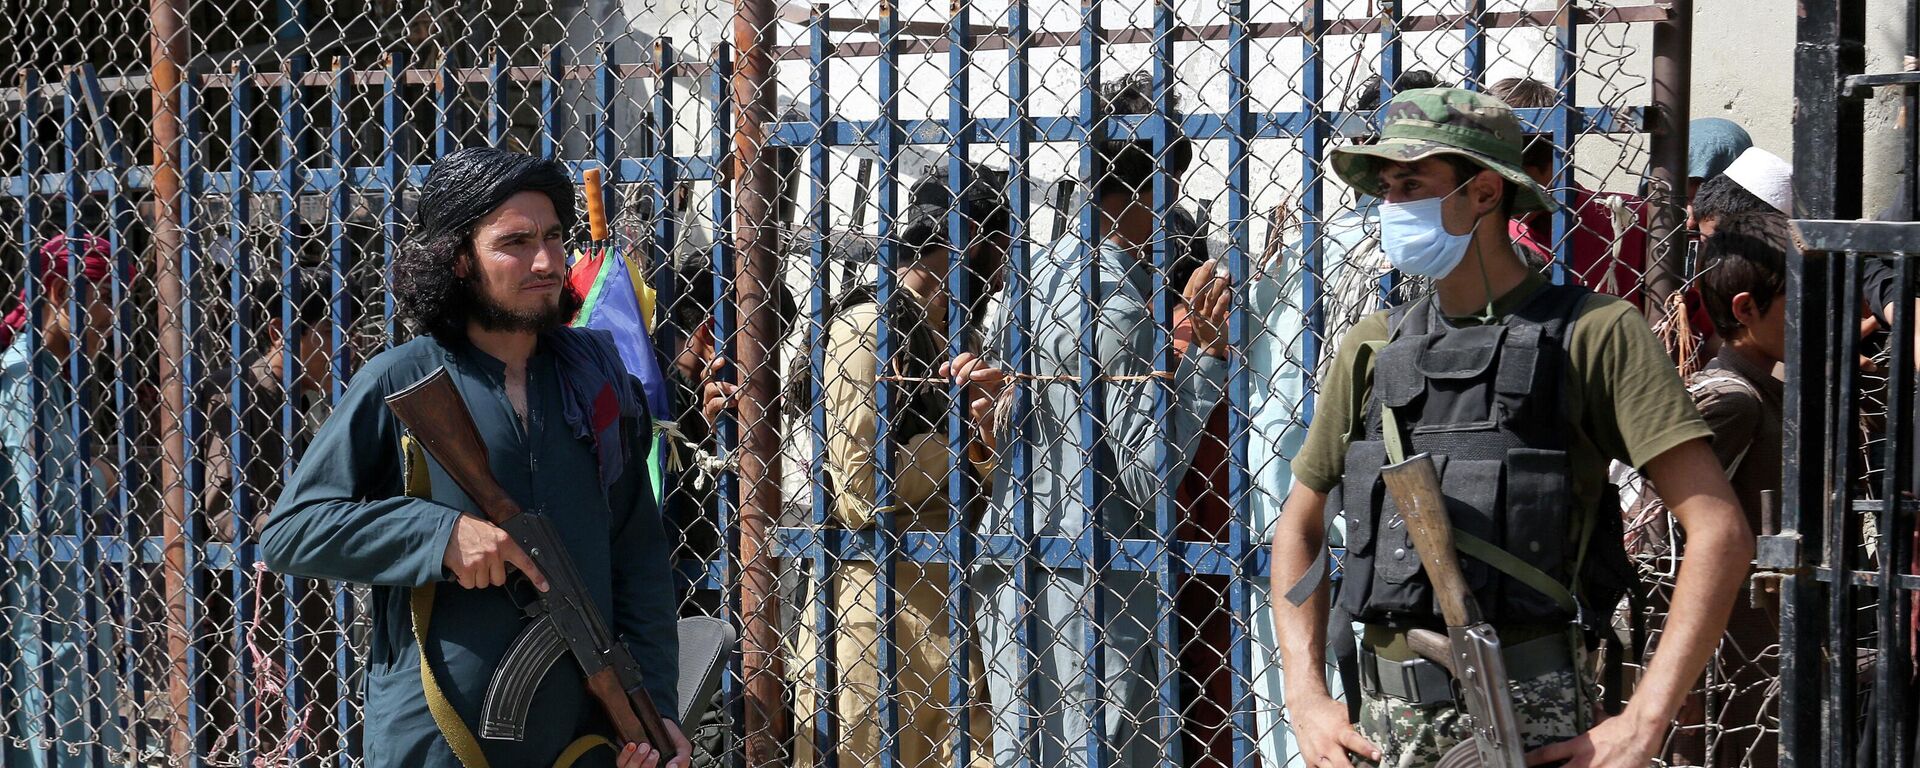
(1416, 737)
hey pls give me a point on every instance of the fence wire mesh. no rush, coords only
(1082, 580)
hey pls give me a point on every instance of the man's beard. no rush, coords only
(492, 316)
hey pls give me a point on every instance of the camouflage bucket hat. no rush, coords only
(1445, 121)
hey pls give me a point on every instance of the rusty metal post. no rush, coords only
(755, 274)
(169, 55)
(1667, 125)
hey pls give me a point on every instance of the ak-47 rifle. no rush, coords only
(1473, 649)
(563, 618)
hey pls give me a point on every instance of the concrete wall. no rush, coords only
(1743, 71)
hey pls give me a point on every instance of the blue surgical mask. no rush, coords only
(1417, 242)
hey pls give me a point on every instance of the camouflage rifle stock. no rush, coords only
(1477, 665)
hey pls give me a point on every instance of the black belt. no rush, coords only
(1423, 683)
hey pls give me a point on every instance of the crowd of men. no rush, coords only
(1564, 428)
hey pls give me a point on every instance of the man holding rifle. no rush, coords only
(562, 436)
(1507, 396)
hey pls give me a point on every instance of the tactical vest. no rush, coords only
(1489, 403)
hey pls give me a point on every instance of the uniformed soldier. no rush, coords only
(1522, 391)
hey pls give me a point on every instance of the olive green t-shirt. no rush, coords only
(1623, 393)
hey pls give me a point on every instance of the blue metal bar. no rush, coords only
(1165, 570)
(1199, 126)
(604, 86)
(319, 180)
(393, 121)
(1390, 52)
(1092, 391)
(1239, 428)
(726, 431)
(1055, 553)
(78, 472)
(962, 491)
(550, 115)
(1202, 127)
(121, 215)
(884, 533)
(446, 92)
(340, 146)
(825, 726)
(189, 384)
(1473, 31)
(40, 681)
(497, 98)
(666, 223)
(1020, 358)
(1566, 67)
(1313, 198)
(292, 127)
(240, 444)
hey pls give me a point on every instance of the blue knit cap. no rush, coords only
(1712, 144)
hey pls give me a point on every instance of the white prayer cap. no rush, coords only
(1765, 175)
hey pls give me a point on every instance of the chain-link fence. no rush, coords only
(1083, 581)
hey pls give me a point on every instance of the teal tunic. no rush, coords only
(345, 516)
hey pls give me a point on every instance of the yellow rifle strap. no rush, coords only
(580, 747)
(465, 747)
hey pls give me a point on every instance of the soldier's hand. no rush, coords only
(638, 756)
(478, 554)
(1616, 742)
(1326, 735)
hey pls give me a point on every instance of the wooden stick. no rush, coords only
(596, 206)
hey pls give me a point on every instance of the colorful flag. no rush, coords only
(619, 302)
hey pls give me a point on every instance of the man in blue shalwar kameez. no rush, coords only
(482, 280)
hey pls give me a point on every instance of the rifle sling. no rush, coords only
(459, 737)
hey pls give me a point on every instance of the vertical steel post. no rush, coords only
(290, 180)
(725, 433)
(1828, 128)
(1095, 126)
(393, 171)
(824, 728)
(1168, 572)
(1802, 497)
(192, 560)
(885, 535)
(170, 41)
(1842, 699)
(497, 98)
(1667, 143)
(1240, 597)
(240, 443)
(957, 541)
(86, 556)
(756, 236)
(1564, 122)
(1021, 710)
(340, 150)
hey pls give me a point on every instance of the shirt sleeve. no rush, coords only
(645, 613)
(1323, 459)
(1635, 406)
(853, 426)
(1125, 348)
(345, 516)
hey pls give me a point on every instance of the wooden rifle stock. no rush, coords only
(434, 412)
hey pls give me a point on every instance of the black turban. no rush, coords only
(465, 186)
